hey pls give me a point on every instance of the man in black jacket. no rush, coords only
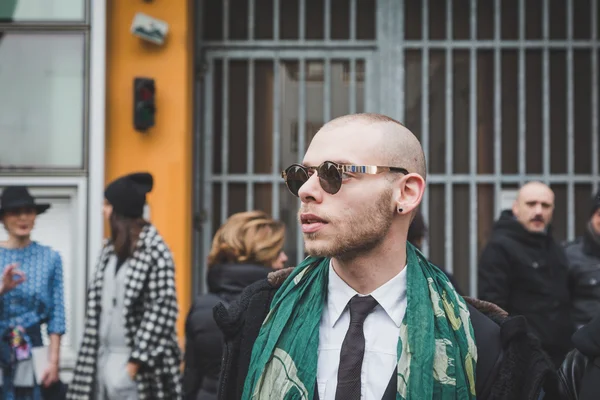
(336, 325)
(524, 271)
(580, 372)
(416, 235)
(584, 269)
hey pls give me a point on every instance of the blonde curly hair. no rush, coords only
(248, 237)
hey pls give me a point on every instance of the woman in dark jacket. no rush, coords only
(244, 250)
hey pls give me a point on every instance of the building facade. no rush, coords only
(498, 91)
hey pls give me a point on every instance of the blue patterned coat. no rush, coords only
(40, 299)
(150, 312)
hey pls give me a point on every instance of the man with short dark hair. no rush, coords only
(584, 269)
(366, 315)
(417, 231)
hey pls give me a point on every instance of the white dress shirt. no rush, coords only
(381, 328)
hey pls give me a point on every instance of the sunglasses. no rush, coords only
(330, 174)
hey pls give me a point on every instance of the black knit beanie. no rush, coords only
(595, 203)
(127, 194)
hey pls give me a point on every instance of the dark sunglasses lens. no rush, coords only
(330, 178)
(296, 176)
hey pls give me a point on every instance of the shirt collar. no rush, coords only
(389, 296)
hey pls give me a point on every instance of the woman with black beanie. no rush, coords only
(130, 349)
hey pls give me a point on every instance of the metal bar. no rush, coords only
(301, 146)
(301, 109)
(595, 130)
(399, 70)
(546, 92)
(225, 20)
(327, 19)
(250, 137)
(45, 26)
(284, 54)
(225, 138)
(510, 179)
(251, 7)
(434, 178)
(370, 90)
(353, 17)
(407, 44)
(276, 20)
(570, 128)
(327, 90)
(473, 154)
(522, 94)
(302, 21)
(504, 44)
(425, 109)
(384, 61)
(276, 137)
(352, 87)
(449, 245)
(497, 109)
(207, 230)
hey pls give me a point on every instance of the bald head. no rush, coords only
(393, 144)
(535, 189)
(534, 206)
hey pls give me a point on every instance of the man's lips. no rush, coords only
(308, 218)
(311, 223)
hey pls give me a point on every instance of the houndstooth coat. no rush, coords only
(150, 311)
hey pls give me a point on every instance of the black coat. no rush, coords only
(584, 276)
(582, 363)
(527, 274)
(510, 365)
(204, 341)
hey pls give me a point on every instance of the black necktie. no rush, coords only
(353, 349)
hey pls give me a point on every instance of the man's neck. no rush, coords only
(367, 272)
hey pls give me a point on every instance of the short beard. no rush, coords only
(360, 233)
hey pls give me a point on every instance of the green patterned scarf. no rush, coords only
(436, 346)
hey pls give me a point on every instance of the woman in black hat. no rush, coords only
(130, 348)
(35, 301)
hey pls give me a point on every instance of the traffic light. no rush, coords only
(144, 108)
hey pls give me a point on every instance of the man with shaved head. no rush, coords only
(525, 272)
(365, 315)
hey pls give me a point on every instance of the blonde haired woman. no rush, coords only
(245, 249)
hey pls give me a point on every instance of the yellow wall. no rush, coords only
(166, 150)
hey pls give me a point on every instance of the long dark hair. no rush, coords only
(125, 232)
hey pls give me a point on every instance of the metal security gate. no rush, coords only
(499, 93)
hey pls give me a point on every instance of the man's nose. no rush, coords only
(311, 190)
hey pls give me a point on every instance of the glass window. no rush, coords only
(42, 100)
(42, 10)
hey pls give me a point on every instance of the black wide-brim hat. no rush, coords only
(19, 197)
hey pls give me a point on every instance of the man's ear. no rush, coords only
(515, 208)
(412, 187)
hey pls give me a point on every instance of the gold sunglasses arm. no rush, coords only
(370, 169)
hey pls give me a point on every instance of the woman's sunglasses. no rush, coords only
(330, 174)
